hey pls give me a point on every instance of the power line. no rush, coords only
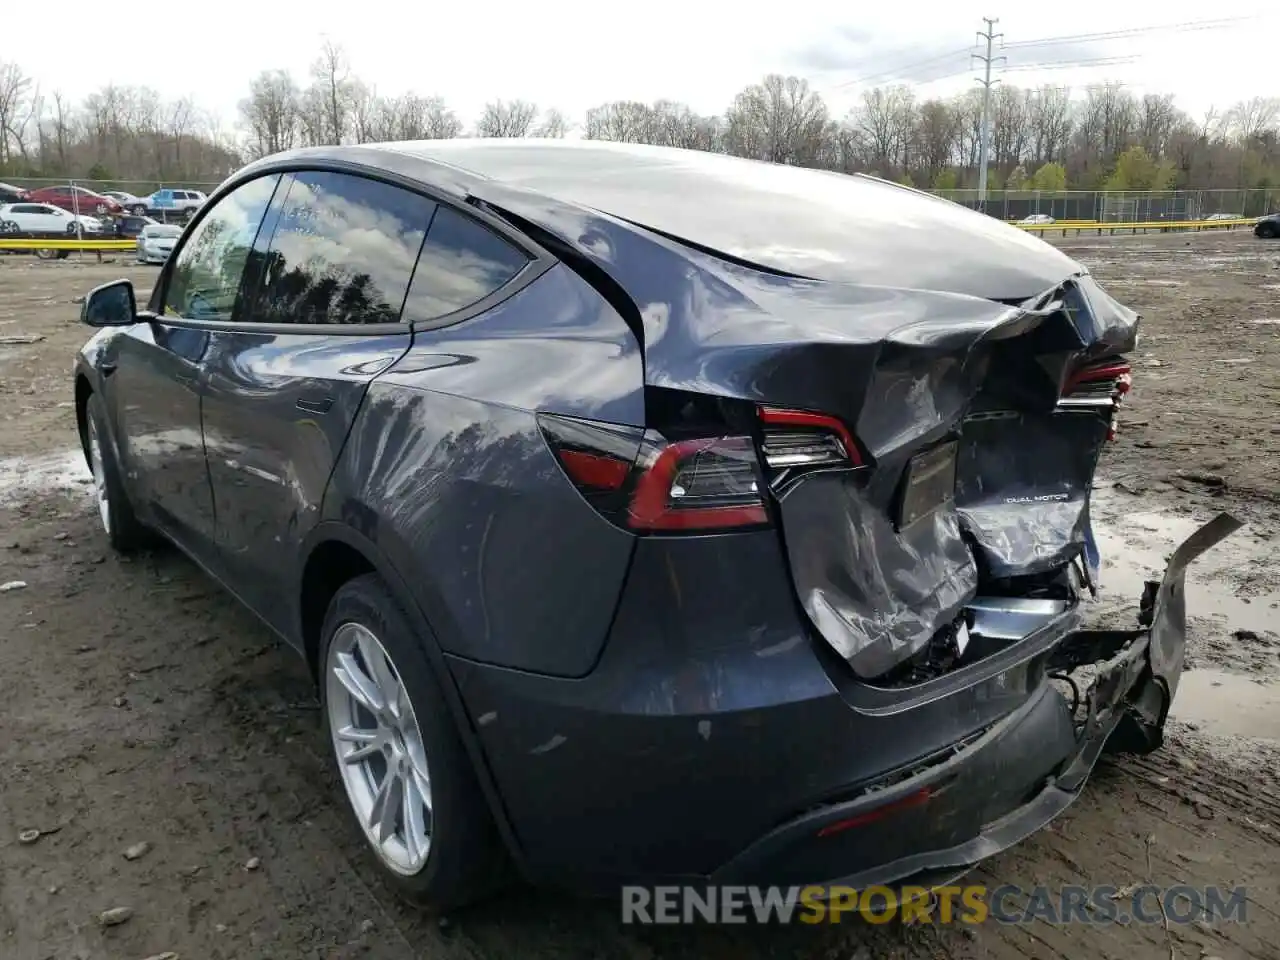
(1188, 25)
(1073, 64)
(892, 73)
(897, 71)
(1053, 65)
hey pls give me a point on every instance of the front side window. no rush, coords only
(462, 262)
(342, 252)
(206, 273)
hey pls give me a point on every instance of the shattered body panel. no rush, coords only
(907, 368)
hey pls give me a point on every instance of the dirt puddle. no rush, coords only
(1135, 544)
(1229, 705)
(24, 477)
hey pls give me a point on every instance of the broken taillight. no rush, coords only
(796, 442)
(1100, 385)
(645, 483)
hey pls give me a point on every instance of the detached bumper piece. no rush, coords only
(936, 819)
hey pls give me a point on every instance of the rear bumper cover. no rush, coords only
(711, 742)
(1011, 781)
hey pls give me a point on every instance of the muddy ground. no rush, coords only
(140, 705)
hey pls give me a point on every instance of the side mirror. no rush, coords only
(110, 305)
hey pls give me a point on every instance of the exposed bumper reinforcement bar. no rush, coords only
(1007, 784)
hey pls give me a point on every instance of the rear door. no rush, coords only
(282, 388)
(28, 217)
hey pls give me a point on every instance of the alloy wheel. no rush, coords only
(99, 477)
(379, 747)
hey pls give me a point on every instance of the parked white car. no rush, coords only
(1038, 218)
(44, 218)
(175, 201)
(156, 241)
(1224, 216)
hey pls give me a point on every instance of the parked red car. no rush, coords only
(75, 200)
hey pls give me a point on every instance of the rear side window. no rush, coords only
(462, 262)
(207, 270)
(342, 252)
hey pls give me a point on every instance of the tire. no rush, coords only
(45, 253)
(464, 857)
(124, 531)
(138, 211)
(1267, 231)
(71, 229)
(8, 226)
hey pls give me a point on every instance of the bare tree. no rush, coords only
(886, 120)
(1157, 117)
(626, 121)
(135, 133)
(969, 109)
(330, 92)
(271, 112)
(18, 96)
(1253, 118)
(779, 119)
(1010, 108)
(937, 134)
(1048, 124)
(553, 124)
(506, 118)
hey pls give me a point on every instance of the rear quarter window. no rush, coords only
(462, 262)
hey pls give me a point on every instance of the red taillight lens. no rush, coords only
(644, 483)
(596, 470)
(698, 485)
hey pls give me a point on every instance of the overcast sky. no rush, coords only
(573, 54)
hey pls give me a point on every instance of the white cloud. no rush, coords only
(575, 54)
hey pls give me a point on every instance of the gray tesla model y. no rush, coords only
(644, 515)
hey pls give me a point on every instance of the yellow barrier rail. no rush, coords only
(67, 244)
(1101, 225)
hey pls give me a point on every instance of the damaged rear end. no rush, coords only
(922, 442)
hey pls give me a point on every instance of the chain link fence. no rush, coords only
(138, 188)
(1121, 206)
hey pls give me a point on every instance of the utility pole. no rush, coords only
(984, 142)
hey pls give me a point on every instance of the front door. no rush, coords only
(157, 385)
(152, 381)
(282, 389)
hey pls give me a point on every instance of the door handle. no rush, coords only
(314, 404)
(187, 380)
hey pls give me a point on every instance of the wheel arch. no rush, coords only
(83, 391)
(333, 549)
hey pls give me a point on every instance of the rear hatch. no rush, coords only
(944, 472)
(925, 432)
